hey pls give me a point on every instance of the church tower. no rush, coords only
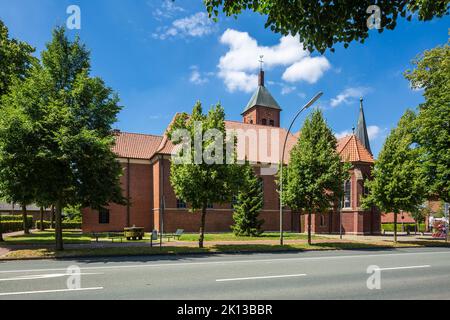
(361, 130)
(262, 108)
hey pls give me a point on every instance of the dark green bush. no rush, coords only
(16, 217)
(13, 226)
(68, 225)
(409, 227)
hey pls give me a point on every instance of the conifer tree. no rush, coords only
(249, 204)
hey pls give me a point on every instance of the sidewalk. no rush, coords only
(388, 237)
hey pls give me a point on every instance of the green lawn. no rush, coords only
(48, 237)
(76, 237)
(147, 250)
(232, 237)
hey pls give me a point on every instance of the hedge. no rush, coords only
(13, 226)
(16, 217)
(409, 227)
(70, 225)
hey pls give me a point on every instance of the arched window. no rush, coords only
(264, 122)
(272, 123)
(322, 220)
(347, 194)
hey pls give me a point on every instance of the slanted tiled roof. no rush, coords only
(252, 155)
(352, 150)
(262, 98)
(141, 146)
(255, 156)
(136, 146)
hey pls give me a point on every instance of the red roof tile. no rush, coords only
(352, 150)
(140, 146)
(136, 146)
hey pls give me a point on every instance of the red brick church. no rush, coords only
(153, 204)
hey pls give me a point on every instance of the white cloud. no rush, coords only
(166, 10)
(196, 77)
(238, 66)
(196, 25)
(373, 132)
(347, 95)
(287, 90)
(308, 69)
(343, 134)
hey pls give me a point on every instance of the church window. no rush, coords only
(347, 194)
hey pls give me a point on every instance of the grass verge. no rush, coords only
(209, 249)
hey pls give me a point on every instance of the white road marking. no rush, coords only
(402, 268)
(47, 276)
(48, 291)
(184, 264)
(266, 277)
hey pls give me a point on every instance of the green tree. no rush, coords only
(15, 62)
(315, 175)
(248, 205)
(323, 24)
(17, 150)
(432, 73)
(194, 180)
(15, 59)
(419, 214)
(71, 116)
(73, 213)
(398, 178)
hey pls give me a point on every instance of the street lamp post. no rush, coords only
(308, 105)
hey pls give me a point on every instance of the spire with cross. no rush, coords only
(261, 71)
(361, 129)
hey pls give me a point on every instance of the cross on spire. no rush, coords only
(261, 71)
(261, 62)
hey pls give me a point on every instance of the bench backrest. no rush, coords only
(179, 232)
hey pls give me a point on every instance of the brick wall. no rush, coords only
(140, 210)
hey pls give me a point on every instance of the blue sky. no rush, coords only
(161, 57)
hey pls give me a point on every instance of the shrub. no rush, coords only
(409, 227)
(15, 217)
(13, 226)
(68, 225)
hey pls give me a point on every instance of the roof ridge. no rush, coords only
(141, 134)
(348, 140)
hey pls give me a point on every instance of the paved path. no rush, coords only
(421, 273)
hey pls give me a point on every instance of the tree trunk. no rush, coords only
(41, 218)
(58, 227)
(202, 227)
(309, 226)
(395, 227)
(26, 230)
(52, 217)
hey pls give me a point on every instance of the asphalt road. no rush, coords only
(404, 274)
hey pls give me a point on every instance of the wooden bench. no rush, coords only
(175, 235)
(96, 235)
(115, 235)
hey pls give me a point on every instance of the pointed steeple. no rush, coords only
(262, 108)
(361, 130)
